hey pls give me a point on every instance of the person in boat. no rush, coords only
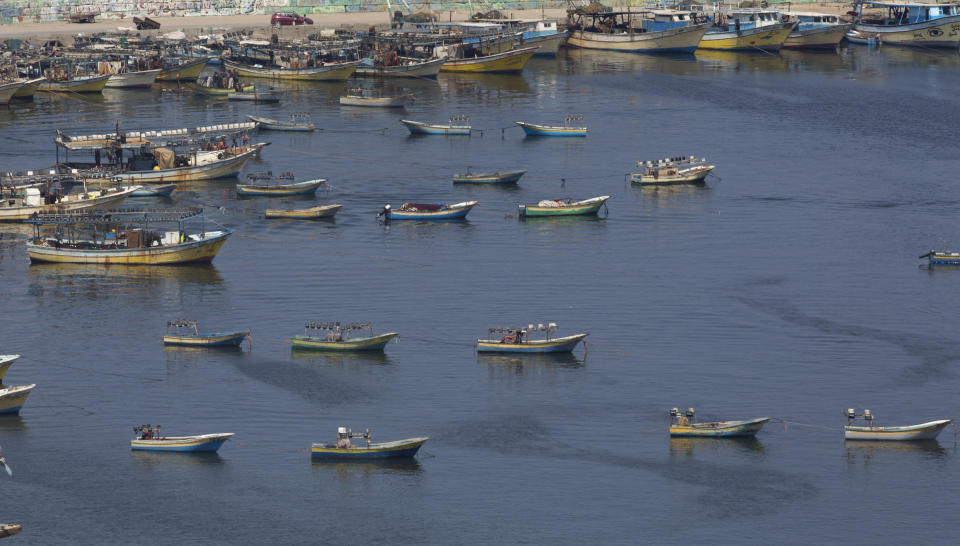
(343, 441)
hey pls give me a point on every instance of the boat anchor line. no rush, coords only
(87, 370)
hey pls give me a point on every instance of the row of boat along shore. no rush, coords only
(426, 49)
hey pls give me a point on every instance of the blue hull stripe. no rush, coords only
(212, 446)
(10, 411)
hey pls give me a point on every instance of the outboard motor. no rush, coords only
(385, 213)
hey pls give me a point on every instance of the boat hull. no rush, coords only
(510, 61)
(697, 177)
(279, 191)
(558, 345)
(188, 71)
(725, 429)
(418, 128)
(12, 399)
(511, 177)
(428, 69)
(217, 92)
(5, 362)
(202, 251)
(677, 40)
(828, 37)
(573, 210)
(375, 343)
(374, 102)
(327, 211)
(7, 91)
(936, 33)
(225, 168)
(944, 258)
(29, 89)
(19, 214)
(532, 129)
(131, 80)
(193, 444)
(339, 72)
(924, 431)
(226, 339)
(452, 213)
(94, 84)
(400, 448)
(769, 38)
(275, 125)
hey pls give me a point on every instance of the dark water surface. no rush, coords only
(790, 289)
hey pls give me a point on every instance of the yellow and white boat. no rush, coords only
(83, 84)
(815, 30)
(911, 24)
(747, 30)
(325, 72)
(186, 71)
(509, 61)
(5, 362)
(12, 399)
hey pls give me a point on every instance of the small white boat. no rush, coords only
(357, 99)
(5, 362)
(127, 80)
(863, 38)
(924, 431)
(12, 399)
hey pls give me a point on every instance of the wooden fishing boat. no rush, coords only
(924, 431)
(944, 257)
(256, 96)
(911, 24)
(672, 170)
(815, 30)
(216, 91)
(407, 68)
(458, 126)
(506, 177)
(658, 31)
(186, 71)
(149, 439)
(428, 211)
(8, 90)
(686, 425)
(29, 88)
(122, 237)
(863, 38)
(563, 207)
(567, 130)
(18, 209)
(5, 362)
(344, 449)
(10, 529)
(275, 125)
(12, 399)
(81, 84)
(179, 333)
(142, 78)
(510, 61)
(312, 213)
(374, 102)
(160, 190)
(328, 72)
(747, 30)
(350, 337)
(517, 340)
(276, 190)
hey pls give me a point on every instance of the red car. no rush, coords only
(290, 19)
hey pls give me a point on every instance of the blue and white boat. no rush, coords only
(566, 130)
(910, 24)
(944, 257)
(428, 211)
(149, 439)
(459, 125)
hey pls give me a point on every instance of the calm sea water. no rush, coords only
(790, 288)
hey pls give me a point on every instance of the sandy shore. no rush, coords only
(261, 23)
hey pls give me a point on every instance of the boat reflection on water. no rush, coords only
(687, 445)
(204, 274)
(167, 460)
(889, 452)
(342, 360)
(12, 423)
(367, 468)
(481, 87)
(530, 364)
(587, 61)
(740, 60)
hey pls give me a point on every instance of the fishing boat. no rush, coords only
(506, 177)
(123, 237)
(542, 33)
(567, 130)
(186, 332)
(517, 340)
(672, 170)
(325, 72)
(148, 439)
(5, 362)
(747, 30)
(509, 61)
(161, 190)
(344, 448)
(297, 123)
(923, 431)
(8, 90)
(312, 213)
(10, 529)
(404, 67)
(357, 98)
(332, 336)
(187, 70)
(12, 399)
(141, 78)
(871, 39)
(563, 207)
(281, 189)
(427, 211)
(686, 425)
(78, 84)
(943, 257)
(653, 31)
(18, 209)
(910, 24)
(218, 92)
(815, 30)
(256, 95)
(458, 125)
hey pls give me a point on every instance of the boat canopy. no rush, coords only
(908, 13)
(138, 139)
(129, 216)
